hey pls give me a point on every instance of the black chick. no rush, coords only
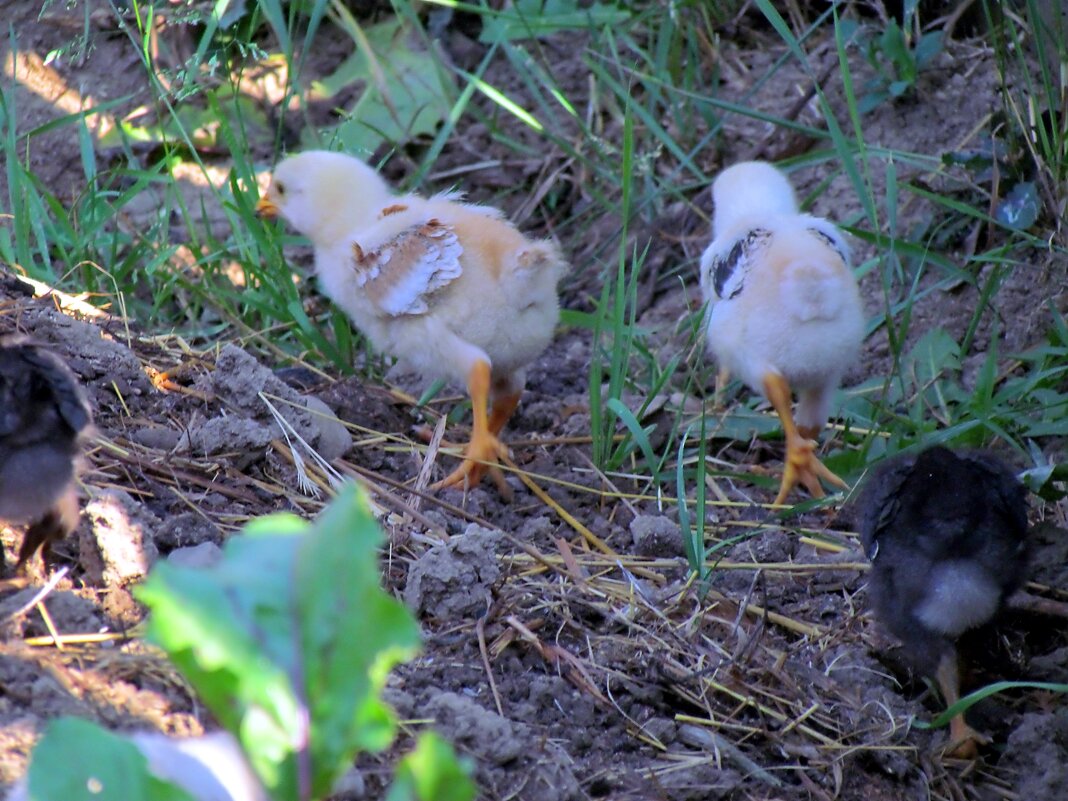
(43, 414)
(946, 535)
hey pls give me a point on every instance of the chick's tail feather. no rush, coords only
(540, 256)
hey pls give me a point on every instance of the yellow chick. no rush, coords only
(784, 309)
(452, 288)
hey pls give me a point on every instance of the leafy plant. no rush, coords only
(288, 640)
(897, 55)
(928, 401)
(1034, 107)
(79, 761)
(997, 162)
(406, 92)
(539, 18)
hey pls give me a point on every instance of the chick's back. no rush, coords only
(946, 533)
(502, 299)
(505, 301)
(791, 307)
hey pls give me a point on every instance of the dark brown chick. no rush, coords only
(43, 414)
(946, 535)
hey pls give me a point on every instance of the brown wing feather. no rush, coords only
(401, 276)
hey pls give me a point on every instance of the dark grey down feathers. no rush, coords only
(43, 412)
(946, 534)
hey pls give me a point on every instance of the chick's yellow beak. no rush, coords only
(265, 208)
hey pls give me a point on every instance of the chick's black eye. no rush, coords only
(281, 187)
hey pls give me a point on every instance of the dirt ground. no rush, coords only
(564, 669)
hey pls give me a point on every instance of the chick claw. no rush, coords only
(964, 741)
(802, 467)
(482, 455)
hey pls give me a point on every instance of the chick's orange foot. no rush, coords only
(485, 450)
(482, 455)
(964, 741)
(804, 468)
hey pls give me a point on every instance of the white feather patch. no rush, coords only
(402, 275)
(962, 596)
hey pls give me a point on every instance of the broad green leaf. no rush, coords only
(405, 92)
(196, 125)
(742, 424)
(1036, 478)
(79, 761)
(893, 45)
(1047, 428)
(872, 99)
(288, 640)
(934, 353)
(431, 772)
(229, 630)
(898, 88)
(526, 19)
(354, 633)
(929, 46)
(1020, 208)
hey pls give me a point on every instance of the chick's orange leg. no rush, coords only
(484, 449)
(504, 407)
(802, 466)
(723, 377)
(964, 741)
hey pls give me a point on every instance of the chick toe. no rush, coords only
(482, 455)
(803, 467)
(964, 741)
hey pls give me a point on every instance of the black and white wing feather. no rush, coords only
(828, 233)
(726, 263)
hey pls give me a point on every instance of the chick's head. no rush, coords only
(324, 195)
(747, 189)
(39, 396)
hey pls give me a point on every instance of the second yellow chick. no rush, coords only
(784, 309)
(452, 288)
